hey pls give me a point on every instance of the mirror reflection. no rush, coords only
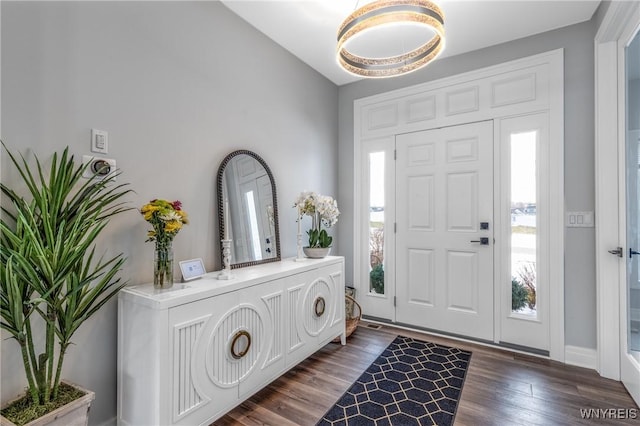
(247, 209)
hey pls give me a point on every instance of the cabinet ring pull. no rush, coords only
(319, 306)
(236, 337)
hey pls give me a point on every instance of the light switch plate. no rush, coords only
(580, 219)
(99, 141)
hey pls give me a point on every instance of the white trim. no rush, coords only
(581, 357)
(493, 70)
(499, 246)
(556, 211)
(552, 101)
(607, 178)
(606, 220)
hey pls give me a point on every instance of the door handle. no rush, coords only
(618, 251)
(484, 241)
(632, 252)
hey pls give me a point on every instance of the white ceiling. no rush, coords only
(307, 28)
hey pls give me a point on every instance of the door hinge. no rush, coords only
(395, 227)
(394, 301)
(395, 154)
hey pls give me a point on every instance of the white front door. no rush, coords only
(444, 239)
(630, 291)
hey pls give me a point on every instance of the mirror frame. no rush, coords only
(219, 183)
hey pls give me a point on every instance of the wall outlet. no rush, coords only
(99, 141)
(99, 168)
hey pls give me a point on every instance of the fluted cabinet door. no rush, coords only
(194, 329)
(323, 304)
(296, 337)
(316, 301)
(263, 321)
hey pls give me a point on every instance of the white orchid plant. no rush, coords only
(323, 210)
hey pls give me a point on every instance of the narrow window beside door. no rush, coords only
(523, 223)
(376, 222)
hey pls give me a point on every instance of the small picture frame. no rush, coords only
(192, 269)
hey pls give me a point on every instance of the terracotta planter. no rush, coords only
(75, 413)
(316, 252)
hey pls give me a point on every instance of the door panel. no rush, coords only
(421, 276)
(630, 294)
(444, 188)
(462, 202)
(462, 281)
(420, 190)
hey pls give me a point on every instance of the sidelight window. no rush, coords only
(523, 222)
(376, 222)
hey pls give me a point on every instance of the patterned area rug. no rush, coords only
(410, 383)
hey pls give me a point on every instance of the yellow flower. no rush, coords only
(183, 216)
(148, 211)
(172, 226)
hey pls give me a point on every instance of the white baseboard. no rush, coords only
(581, 357)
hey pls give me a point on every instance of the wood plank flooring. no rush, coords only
(501, 388)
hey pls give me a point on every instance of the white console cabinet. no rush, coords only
(189, 354)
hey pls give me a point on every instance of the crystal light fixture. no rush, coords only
(383, 12)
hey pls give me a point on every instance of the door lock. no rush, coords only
(484, 241)
(632, 252)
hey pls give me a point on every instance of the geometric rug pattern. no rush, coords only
(411, 383)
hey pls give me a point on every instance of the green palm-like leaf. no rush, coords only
(48, 266)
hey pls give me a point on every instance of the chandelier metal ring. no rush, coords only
(384, 12)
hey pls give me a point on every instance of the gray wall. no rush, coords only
(177, 86)
(577, 40)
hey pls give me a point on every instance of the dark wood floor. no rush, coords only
(501, 388)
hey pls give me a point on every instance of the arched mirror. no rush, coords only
(246, 186)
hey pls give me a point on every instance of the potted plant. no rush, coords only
(50, 276)
(323, 210)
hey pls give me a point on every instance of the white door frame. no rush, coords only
(483, 94)
(609, 150)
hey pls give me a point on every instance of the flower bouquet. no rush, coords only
(167, 219)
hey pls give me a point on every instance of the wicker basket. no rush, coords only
(353, 318)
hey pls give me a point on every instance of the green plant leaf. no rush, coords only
(48, 267)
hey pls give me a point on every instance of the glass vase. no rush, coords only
(163, 267)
